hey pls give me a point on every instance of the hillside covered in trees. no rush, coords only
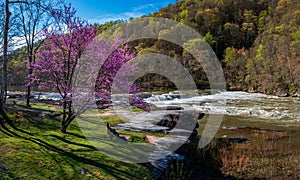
(257, 42)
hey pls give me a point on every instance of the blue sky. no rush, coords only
(101, 11)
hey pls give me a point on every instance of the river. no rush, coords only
(240, 110)
(283, 110)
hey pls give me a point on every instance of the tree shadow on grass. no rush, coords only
(6, 119)
(17, 133)
(43, 124)
(73, 143)
(76, 135)
(60, 169)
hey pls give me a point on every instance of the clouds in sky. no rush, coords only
(135, 12)
(113, 17)
(143, 7)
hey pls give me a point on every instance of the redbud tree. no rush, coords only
(57, 60)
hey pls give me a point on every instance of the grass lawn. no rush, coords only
(36, 149)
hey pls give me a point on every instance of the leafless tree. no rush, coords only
(33, 18)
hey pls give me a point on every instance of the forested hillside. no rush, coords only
(257, 42)
(273, 62)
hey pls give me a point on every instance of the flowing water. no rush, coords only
(240, 110)
(283, 110)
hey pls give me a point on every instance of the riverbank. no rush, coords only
(258, 138)
(279, 92)
(35, 149)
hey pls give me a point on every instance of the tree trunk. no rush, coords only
(66, 123)
(5, 58)
(29, 86)
(28, 96)
(63, 129)
(63, 121)
(68, 117)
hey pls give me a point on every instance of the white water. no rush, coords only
(236, 103)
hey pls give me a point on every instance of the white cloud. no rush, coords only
(143, 7)
(134, 13)
(114, 17)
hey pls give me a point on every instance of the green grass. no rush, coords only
(136, 109)
(37, 150)
(41, 106)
